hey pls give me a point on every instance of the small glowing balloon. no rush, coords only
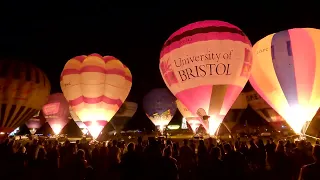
(95, 87)
(286, 74)
(35, 122)
(56, 112)
(206, 65)
(24, 89)
(160, 107)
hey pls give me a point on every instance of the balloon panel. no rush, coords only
(56, 112)
(95, 87)
(206, 65)
(23, 90)
(159, 105)
(260, 106)
(285, 73)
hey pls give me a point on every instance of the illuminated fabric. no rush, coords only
(95, 87)
(56, 112)
(160, 107)
(24, 89)
(286, 74)
(206, 65)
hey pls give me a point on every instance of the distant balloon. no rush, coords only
(56, 112)
(286, 74)
(35, 122)
(160, 107)
(123, 115)
(24, 89)
(95, 87)
(206, 65)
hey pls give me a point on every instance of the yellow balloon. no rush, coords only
(24, 89)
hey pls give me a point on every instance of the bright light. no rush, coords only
(173, 127)
(161, 128)
(2, 132)
(297, 116)
(95, 129)
(32, 131)
(214, 124)
(84, 131)
(56, 128)
(93, 115)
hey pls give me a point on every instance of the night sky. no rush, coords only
(48, 35)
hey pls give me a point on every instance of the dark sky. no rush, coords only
(48, 35)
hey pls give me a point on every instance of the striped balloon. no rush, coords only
(286, 74)
(95, 87)
(206, 65)
(24, 89)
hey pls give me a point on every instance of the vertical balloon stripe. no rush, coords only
(11, 111)
(304, 57)
(231, 95)
(284, 66)
(217, 96)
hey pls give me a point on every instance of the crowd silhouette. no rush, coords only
(160, 159)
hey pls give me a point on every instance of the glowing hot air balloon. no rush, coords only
(35, 122)
(77, 120)
(286, 74)
(206, 65)
(160, 107)
(56, 112)
(24, 89)
(123, 115)
(95, 87)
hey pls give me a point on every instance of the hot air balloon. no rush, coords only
(285, 74)
(56, 112)
(24, 89)
(79, 123)
(206, 65)
(123, 115)
(95, 87)
(35, 122)
(160, 107)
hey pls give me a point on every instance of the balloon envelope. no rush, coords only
(77, 120)
(160, 107)
(95, 87)
(286, 74)
(56, 112)
(206, 65)
(24, 89)
(35, 122)
(123, 115)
